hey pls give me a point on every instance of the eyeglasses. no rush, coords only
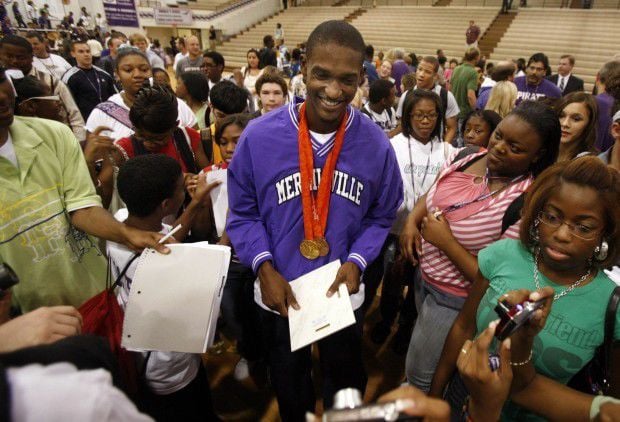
(578, 230)
(420, 116)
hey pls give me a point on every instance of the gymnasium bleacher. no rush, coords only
(297, 24)
(421, 29)
(590, 35)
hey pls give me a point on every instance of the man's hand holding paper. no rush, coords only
(319, 315)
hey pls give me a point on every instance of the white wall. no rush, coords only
(230, 23)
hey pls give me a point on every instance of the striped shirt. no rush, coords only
(474, 226)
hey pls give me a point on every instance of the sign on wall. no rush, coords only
(121, 13)
(173, 16)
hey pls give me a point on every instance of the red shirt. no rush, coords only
(126, 147)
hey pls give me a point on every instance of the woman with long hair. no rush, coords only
(578, 114)
(502, 98)
(251, 72)
(569, 233)
(474, 202)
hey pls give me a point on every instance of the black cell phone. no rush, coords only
(513, 317)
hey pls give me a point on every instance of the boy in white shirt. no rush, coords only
(152, 187)
(379, 108)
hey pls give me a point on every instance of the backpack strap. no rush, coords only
(183, 144)
(464, 152)
(610, 325)
(443, 96)
(513, 212)
(124, 271)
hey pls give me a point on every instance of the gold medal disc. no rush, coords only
(309, 249)
(323, 246)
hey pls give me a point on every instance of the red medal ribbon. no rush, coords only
(315, 210)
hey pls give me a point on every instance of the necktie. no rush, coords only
(562, 79)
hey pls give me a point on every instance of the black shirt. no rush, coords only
(89, 87)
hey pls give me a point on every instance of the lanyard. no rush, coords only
(96, 88)
(482, 197)
(428, 160)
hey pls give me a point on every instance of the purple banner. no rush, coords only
(121, 13)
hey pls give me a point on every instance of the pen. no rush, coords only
(169, 235)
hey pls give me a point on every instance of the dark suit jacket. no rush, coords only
(572, 85)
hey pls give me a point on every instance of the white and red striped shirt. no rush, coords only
(474, 226)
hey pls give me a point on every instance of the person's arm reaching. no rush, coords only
(410, 236)
(100, 223)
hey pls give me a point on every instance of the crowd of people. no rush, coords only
(451, 185)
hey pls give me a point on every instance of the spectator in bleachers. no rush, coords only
(502, 98)
(35, 99)
(133, 70)
(504, 71)
(213, 66)
(441, 74)
(16, 53)
(194, 59)
(533, 85)
(267, 55)
(478, 127)
(379, 109)
(578, 117)
(564, 79)
(605, 103)
(278, 34)
(520, 62)
(369, 66)
(90, 85)
(251, 71)
(161, 77)
(212, 38)
(298, 86)
(182, 52)
(611, 156)
(385, 71)
(193, 88)
(452, 64)
(272, 92)
(225, 98)
(472, 35)
(107, 63)
(399, 68)
(426, 75)
(141, 43)
(464, 83)
(43, 60)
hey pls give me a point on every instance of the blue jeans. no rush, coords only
(436, 314)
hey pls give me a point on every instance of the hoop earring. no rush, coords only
(534, 231)
(601, 251)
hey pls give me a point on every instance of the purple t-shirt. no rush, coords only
(534, 92)
(603, 136)
(399, 69)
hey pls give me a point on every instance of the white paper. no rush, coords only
(174, 299)
(318, 316)
(219, 198)
(614, 274)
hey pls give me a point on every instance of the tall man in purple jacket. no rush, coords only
(266, 218)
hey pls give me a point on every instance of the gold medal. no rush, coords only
(309, 249)
(323, 246)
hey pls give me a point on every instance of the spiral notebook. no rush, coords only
(174, 301)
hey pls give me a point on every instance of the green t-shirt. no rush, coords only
(463, 78)
(56, 264)
(574, 328)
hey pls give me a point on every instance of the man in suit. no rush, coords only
(564, 79)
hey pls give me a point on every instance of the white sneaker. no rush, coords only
(242, 370)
